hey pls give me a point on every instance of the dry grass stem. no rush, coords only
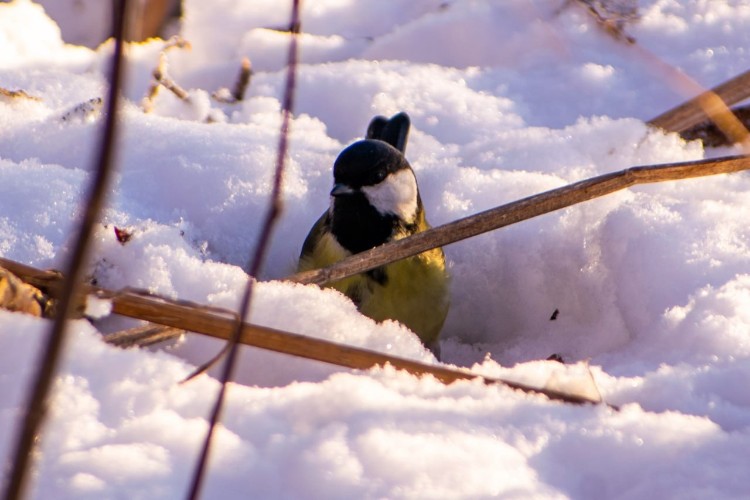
(243, 80)
(143, 336)
(517, 211)
(153, 89)
(163, 79)
(179, 315)
(237, 93)
(160, 75)
(712, 104)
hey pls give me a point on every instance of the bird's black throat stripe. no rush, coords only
(357, 225)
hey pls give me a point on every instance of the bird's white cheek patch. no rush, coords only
(396, 195)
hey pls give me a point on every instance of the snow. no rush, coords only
(507, 99)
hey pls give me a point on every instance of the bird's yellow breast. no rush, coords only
(414, 291)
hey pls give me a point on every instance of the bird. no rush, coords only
(375, 199)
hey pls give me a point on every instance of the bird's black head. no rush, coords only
(375, 192)
(366, 163)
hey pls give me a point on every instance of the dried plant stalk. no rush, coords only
(143, 336)
(243, 80)
(707, 105)
(237, 93)
(178, 316)
(517, 211)
(153, 90)
(161, 76)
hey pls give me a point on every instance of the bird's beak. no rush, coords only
(340, 189)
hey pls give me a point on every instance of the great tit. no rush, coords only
(374, 200)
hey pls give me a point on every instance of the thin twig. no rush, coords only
(517, 211)
(237, 94)
(153, 90)
(143, 336)
(243, 80)
(204, 367)
(36, 408)
(259, 254)
(221, 324)
(161, 76)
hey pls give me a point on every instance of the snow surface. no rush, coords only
(507, 99)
